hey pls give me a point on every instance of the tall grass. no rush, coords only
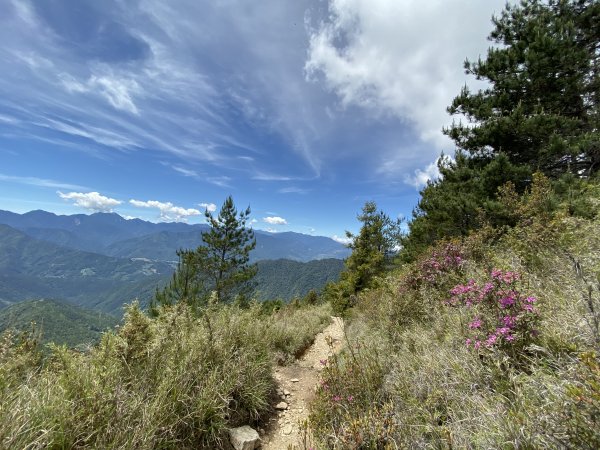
(177, 381)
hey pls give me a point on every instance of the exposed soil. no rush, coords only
(296, 387)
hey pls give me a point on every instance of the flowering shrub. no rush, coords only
(503, 317)
(432, 270)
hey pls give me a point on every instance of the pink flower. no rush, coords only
(468, 342)
(323, 362)
(477, 345)
(336, 398)
(530, 300)
(476, 323)
(509, 337)
(503, 330)
(491, 340)
(350, 398)
(505, 302)
(509, 321)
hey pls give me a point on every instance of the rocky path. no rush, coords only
(296, 386)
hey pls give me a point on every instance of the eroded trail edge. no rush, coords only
(296, 387)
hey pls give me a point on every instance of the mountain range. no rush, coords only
(112, 235)
(101, 261)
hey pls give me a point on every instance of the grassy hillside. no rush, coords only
(487, 342)
(57, 322)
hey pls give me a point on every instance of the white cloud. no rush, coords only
(91, 200)
(210, 207)
(293, 190)
(168, 211)
(342, 240)
(117, 91)
(275, 220)
(221, 181)
(402, 58)
(185, 172)
(41, 182)
(421, 177)
(9, 120)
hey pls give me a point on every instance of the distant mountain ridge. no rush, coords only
(61, 263)
(110, 234)
(31, 268)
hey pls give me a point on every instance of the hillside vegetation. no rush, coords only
(287, 280)
(487, 342)
(32, 269)
(487, 332)
(57, 322)
(177, 381)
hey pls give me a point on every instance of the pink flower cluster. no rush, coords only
(446, 260)
(502, 315)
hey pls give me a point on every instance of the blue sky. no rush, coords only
(301, 109)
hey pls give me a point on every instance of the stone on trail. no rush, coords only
(294, 380)
(244, 438)
(281, 406)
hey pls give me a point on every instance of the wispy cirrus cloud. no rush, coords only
(293, 190)
(41, 182)
(185, 172)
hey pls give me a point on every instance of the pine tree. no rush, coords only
(186, 285)
(218, 268)
(452, 206)
(224, 259)
(371, 248)
(542, 106)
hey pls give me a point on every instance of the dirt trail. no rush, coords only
(296, 387)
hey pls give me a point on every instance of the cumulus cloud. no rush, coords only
(420, 177)
(210, 207)
(275, 220)
(402, 58)
(168, 211)
(342, 240)
(92, 201)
